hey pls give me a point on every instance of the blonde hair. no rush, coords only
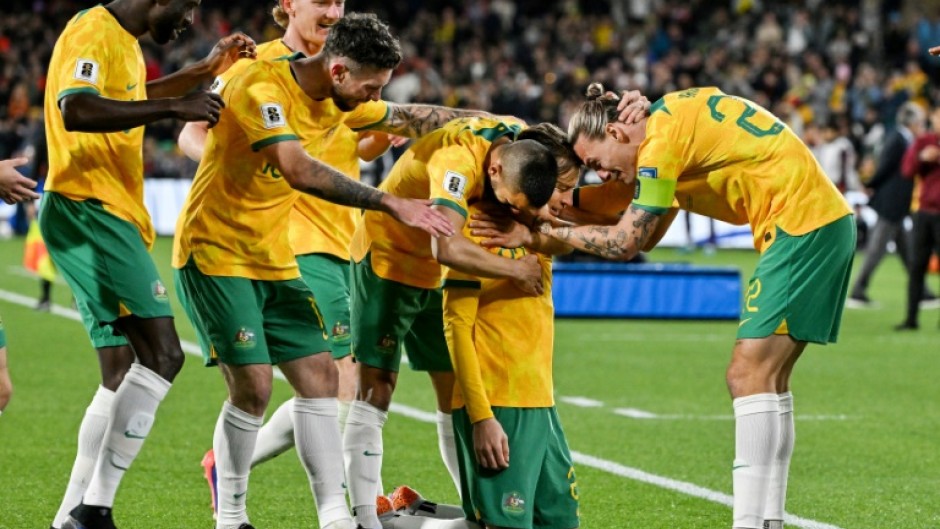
(281, 18)
(593, 115)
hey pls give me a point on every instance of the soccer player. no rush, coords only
(97, 229)
(320, 230)
(14, 187)
(500, 342)
(396, 302)
(233, 254)
(728, 158)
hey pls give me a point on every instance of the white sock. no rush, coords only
(233, 443)
(407, 521)
(777, 494)
(757, 427)
(320, 449)
(90, 434)
(276, 436)
(132, 412)
(362, 446)
(447, 444)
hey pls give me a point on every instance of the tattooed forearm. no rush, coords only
(621, 242)
(331, 185)
(415, 121)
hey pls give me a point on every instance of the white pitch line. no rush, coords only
(634, 413)
(15, 270)
(582, 402)
(604, 465)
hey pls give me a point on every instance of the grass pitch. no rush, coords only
(867, 410)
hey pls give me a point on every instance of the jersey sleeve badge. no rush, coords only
(86, 70)
(273, 115)
(455, 184)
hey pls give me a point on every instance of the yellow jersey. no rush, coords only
(316, 226)
(500, 340)
(446, 166)
(235, 220)
(730, 159)
(94, 54)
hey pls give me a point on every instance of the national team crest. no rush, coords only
(340, 330)
(159, 291)
(245, 338)
(387, 344)
(513, 503)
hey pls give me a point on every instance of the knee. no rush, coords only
(253, 400)
(169, 362)
(6, 393)
(377, 391)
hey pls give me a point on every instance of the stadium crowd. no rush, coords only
(815, 64)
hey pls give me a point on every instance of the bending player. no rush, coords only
(728, 158)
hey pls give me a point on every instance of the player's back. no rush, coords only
(735, 161)
(447, 166)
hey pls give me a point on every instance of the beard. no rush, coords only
(343, 103)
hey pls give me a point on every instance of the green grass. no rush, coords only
(875, 469)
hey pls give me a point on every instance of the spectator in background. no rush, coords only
(891, 199)
(837, 156)
(923, 159)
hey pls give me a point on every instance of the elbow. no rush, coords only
(71, 115)
(442, 252)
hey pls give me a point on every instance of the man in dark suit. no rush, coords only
(891, 198)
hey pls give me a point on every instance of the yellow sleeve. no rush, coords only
(368, 115)
(659, 163)
(262, 108)
(610, 198)
(461, 299)
(85, 61)
(455, 176)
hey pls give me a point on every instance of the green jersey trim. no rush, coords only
(80, 90)
(450, 204)
(388, 111)
(258, 145)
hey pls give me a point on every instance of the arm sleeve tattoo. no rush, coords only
(415, 121)
(620, 242)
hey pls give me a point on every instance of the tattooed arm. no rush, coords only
(619, 243)
(414, 121)
(316, 178)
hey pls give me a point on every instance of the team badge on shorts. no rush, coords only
(159, 291)
(245, 338)
(513, 503)
(340, 330)
(387, 344)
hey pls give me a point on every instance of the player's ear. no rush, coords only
(617, 132)
(338, 71)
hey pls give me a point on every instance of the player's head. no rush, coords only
(555, 140)
(361, 54)
(599, 139)
(168, 18)
(310, 19)
(523, 175)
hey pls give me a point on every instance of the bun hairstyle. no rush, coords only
(281, 18)
(593, 115)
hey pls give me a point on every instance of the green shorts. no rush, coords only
(388, 317)
(247, 321)
(800, 284)
(101, 334)
(104, 260)
(328, 278)
(3, 336)
(538, 490)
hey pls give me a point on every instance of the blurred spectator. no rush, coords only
(837, 155)
(923, 159)
(891, 199)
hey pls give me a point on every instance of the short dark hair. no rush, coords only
(552, 137)
(365, 39)
(530, 167)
